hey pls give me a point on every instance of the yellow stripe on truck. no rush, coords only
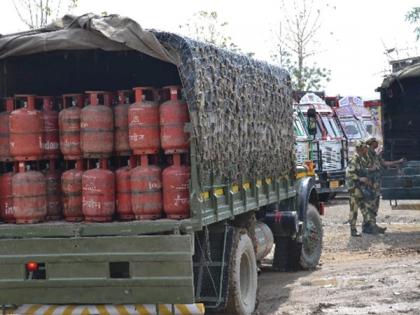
(165, 309)
(137, 309)
(102, 310)
(182, 309)
(142, 310)
(69, 310)
(122, 310)
(51, 310)
(32, 309)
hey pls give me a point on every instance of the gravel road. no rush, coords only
(366, 275)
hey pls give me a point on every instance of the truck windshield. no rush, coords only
(318, 128)
(369, 126)
(299, 129)
(351, 129)
(331, 126)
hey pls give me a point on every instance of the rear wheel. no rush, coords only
(308, 253)
(242, 294)
(290, 254)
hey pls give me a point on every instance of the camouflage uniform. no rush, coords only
(375, 161)
(357, 168)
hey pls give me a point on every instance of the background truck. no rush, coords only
(353, 127)
(302, 145)
(329, 147)
(400, 99)
(245, 190)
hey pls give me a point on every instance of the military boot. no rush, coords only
(369, 228)
(381, 230)
(354, 233)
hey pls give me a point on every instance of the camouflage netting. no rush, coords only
(241, 109)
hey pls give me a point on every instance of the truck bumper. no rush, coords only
(137, 309)
(331, 182)
(150, 269)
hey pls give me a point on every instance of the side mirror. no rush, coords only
(311, 121)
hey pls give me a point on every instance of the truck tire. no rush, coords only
(307, 254)
(242, 296)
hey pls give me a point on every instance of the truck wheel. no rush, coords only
(242, 278)
(308, 253)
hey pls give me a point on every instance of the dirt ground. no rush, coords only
(366, 275)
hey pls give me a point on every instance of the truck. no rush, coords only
(400, 99)
(245, 190)
(328, 146)
(352, 124)
(302, 145)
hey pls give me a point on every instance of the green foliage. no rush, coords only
(413, 16)
(205, 26)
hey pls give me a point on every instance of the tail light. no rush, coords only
(32, 266)
(321, 209)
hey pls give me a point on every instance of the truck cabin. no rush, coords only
(327, 126)
(302, 150)
(353, 127)
(355, 107)
(328, 148)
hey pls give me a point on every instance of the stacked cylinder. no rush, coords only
(26, 138)
(122, 158)
(144, 141)
(173, 117)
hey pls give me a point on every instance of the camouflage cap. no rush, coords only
(371, 140)
(360, 144)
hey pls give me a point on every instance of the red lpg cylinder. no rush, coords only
(176, 196)
(146, 190)
(98, 194)
(29, 196)
(123, 191)
(97, 127)
(4, 131)
(52, 176)
(71, 186)
(143, 123)
(69, 126)
(51, 137)
(122, 147)
(173, 117)
(6, 198)
(26, 131)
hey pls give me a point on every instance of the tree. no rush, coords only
(296, 44)
(37, 13)
(205, 26)
(413, 17)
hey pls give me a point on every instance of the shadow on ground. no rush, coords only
(276, 289)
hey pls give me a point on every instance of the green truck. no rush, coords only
(245, 189)
(400, 124)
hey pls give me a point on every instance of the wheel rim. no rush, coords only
(245, 278)
(311, 238)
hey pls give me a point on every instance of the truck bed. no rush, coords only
(83, 229)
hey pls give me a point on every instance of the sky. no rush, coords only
(351, 42)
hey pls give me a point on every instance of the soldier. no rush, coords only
(357, 182)
(376, 164)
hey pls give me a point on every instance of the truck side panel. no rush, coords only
(136, 269)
